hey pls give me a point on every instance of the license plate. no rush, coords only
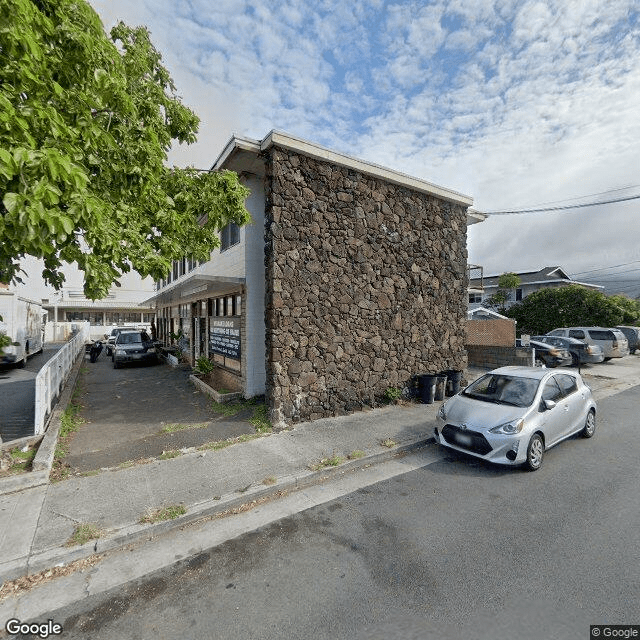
(463, 439)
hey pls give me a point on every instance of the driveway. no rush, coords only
(126, 410)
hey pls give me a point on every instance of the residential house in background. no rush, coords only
(530, 281)
(351, 279)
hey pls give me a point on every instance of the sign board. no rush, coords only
(224, 336)
(525, 340)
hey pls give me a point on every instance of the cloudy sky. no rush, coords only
(515, 103)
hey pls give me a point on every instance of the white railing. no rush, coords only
(51, 378)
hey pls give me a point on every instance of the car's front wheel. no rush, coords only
(589, 425)
(535, 452)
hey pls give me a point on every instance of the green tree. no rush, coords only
(85, 126)
(507, 283)
(569, 306)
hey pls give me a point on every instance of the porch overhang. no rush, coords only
(195, 287)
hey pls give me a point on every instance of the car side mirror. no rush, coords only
(548, 404)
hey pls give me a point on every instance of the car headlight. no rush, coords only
(120, 352)
(151, 350)
(442, 411)
(509, 428)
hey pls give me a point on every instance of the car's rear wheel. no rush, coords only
(535, 452)
(115, 364)
(575, 361)
(589, 425)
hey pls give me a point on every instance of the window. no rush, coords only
(576, 333)
(229, 236)
(475, 297)
(599, 334)
(552, 391)
(518, 295)
(567, 383)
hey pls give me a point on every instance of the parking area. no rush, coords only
(142, 411)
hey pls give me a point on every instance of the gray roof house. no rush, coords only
(530, 281)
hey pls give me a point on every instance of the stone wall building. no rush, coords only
(351, 279)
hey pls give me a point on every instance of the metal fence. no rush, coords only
(51, 378)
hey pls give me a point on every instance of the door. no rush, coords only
(555, 418)
(572, 402)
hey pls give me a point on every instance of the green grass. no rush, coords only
(172, 453)
(259, 419)
(69, 423)
(388, 443)
(166, 513)
(20, 460)
(172, 428)
(355, 455)
(83, 533)
(334, 461)
(221, 444)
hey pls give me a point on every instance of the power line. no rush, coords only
(615, 266)
(563, 208)
(590, 195)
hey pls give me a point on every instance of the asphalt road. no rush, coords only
(18, 396)
(456, 549)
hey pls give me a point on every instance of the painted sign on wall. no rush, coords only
(224, 336)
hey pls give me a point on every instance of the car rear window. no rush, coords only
(129, 338)
(601, 334)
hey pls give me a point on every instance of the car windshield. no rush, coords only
(129, 338)
(503, 389)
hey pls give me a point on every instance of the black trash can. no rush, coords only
(453, 382)
(427, 388)
(441, 382)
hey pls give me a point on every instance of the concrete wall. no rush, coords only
(496, 332)
(253, 339)
(492, 357)
(366, 286)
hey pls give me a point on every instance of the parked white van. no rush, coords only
(613, 342)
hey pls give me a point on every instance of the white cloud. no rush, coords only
(511, 102)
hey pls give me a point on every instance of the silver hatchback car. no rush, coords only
(512, 415)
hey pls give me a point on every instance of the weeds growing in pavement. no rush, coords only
(334, 461)
(83, 533)
(165, 513)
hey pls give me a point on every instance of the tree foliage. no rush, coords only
(569, 306)
(85, 126)
(507, 282)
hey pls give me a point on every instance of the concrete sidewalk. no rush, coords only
(36, 523)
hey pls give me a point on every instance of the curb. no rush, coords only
(133, 533)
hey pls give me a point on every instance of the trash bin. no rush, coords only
(427, 388)
(441, 382)
(453, 382)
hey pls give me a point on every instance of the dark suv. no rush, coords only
(133, 346)
(632, 335)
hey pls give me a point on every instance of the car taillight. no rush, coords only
(615, 344)
(589, 349)
(554, 352)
